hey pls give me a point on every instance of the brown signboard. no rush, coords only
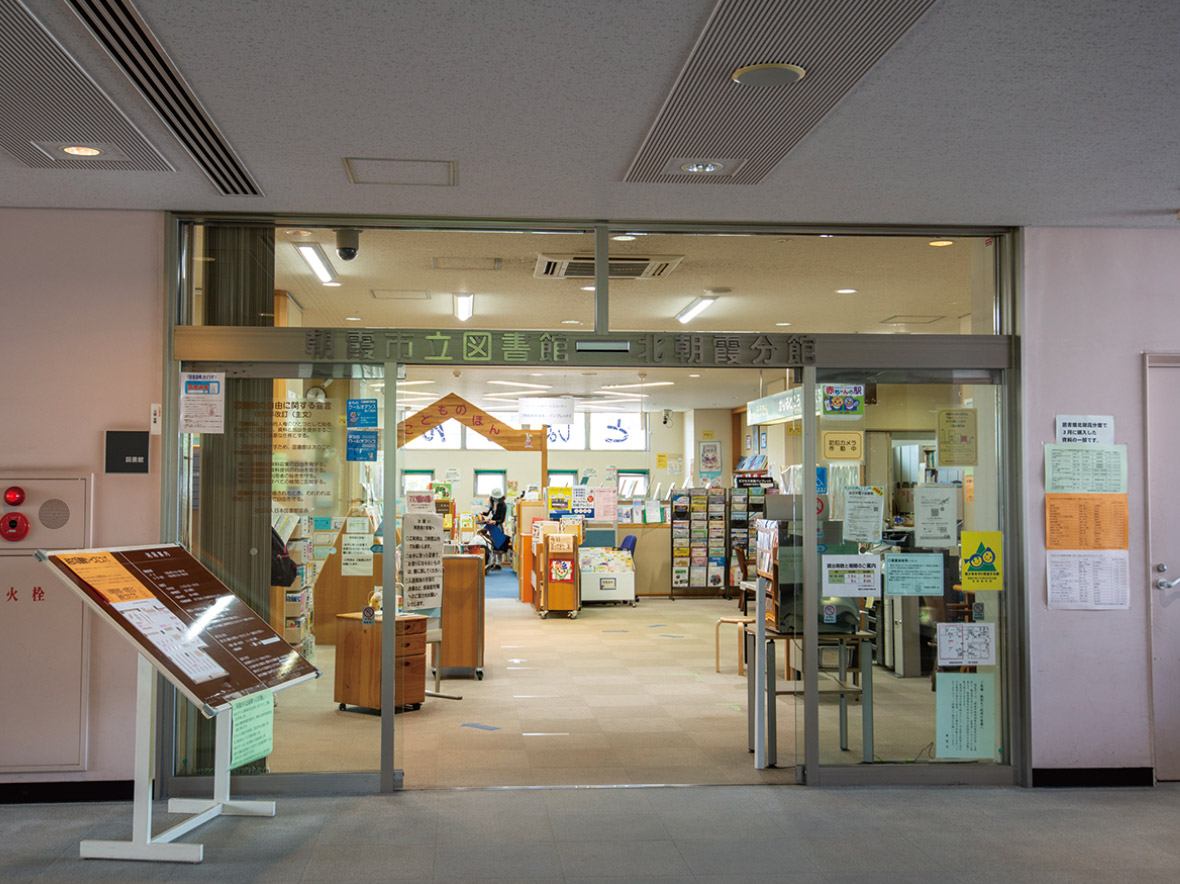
(204, 639)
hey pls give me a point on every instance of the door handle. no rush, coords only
(1166, 584)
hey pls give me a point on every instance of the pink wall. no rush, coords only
(81, 308)
(1095, 301)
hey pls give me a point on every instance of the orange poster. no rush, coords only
(107, 575)
(1086, 521)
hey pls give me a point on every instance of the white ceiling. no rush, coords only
(1006, 112)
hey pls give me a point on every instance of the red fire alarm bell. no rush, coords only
(13, 527)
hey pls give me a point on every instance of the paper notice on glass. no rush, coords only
(1086, 521)
(420, 501)
(958, 438)
(252, 728)
(1086, 429)
(1089, 580)
(966, 644)
(356, 554)
(913, 574)
(852, 576)
(202, 402)
(422, 564)
(864, 513)
(965, 715)
(982, 561)
(170, 635)
(357, 525)
(1085, 469)
(935, 515)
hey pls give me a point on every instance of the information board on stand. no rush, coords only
(204, 639)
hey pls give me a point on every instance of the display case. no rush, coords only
(558, 580)
(607, 575)
(699, 540)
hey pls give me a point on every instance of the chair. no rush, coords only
(741, 622)
(628, 544)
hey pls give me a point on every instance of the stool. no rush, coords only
(741, 622)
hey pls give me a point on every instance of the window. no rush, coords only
(562, 479)
(472, 439)
(446, 435)
(487, 481)
(617, 431)
(632, 483)
(569, 437)
(416, 480)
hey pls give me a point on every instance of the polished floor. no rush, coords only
(733, 834)
(619, 696)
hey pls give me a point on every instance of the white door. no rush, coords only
(1163, 491)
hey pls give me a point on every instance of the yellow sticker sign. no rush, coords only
(843, 445)
(107, 575)
(982, 561)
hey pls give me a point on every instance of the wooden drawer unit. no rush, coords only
(358, 661)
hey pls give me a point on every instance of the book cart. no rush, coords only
(226, 660)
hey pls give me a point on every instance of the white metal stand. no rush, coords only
(143, 846)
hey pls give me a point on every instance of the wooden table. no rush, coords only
(358, 661)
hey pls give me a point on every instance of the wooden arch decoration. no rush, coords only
(457, 408)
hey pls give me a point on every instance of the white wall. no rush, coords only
(82, 310)
(1095, 300)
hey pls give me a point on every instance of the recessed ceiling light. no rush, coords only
(623, 237)
(702, 167)
(774, 74)
(77, 150)
(571, 322)
(643, 384)
(521, 384)
(587, 288)
(401, 384)
(845, 291)
(536, 374)
(942, 242)
(298, 233)
(352, 319)
(826, 235)
(782, 323)
(333, 284)
(694, 375)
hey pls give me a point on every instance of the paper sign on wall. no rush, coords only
(1086, 429)
(843, 401)
(1085, 469)
(935, 515)
(982, 561)
(1086, 521)
(1088, 580)
(202, 402)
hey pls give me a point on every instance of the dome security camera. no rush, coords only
(348, 243)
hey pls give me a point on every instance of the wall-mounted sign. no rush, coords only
(362, 412)
(843, 401)
(127, 451)
(842, 444)
(1093, 429)
(362, 445)
(549, 410)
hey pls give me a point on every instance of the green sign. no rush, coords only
(252, 728)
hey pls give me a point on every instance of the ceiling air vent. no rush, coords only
(620, 267)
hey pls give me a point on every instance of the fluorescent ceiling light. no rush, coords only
(943, 242)
(645, 385)
(522, 384)
(316, 260)
(698, 305)
(401, 384)
(617, 395)
(464, 306)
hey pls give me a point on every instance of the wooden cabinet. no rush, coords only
(462, 613)
(358, 661)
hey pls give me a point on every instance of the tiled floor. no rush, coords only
(620, 695)
(732, 834)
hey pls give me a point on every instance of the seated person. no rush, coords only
(494, 517)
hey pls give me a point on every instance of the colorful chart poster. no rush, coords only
(913, 574)
(1085, 469)
(561, 498)
(982, 561)
(966, 644)
(965, 715)
(958, 437)
(844, 401)
(362, 412)
(362, 445)
(1088, 580)
(1086, 521)
(1086, 429)
(864, 513)
(582, 501)
(936, 513)
(851, 576)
